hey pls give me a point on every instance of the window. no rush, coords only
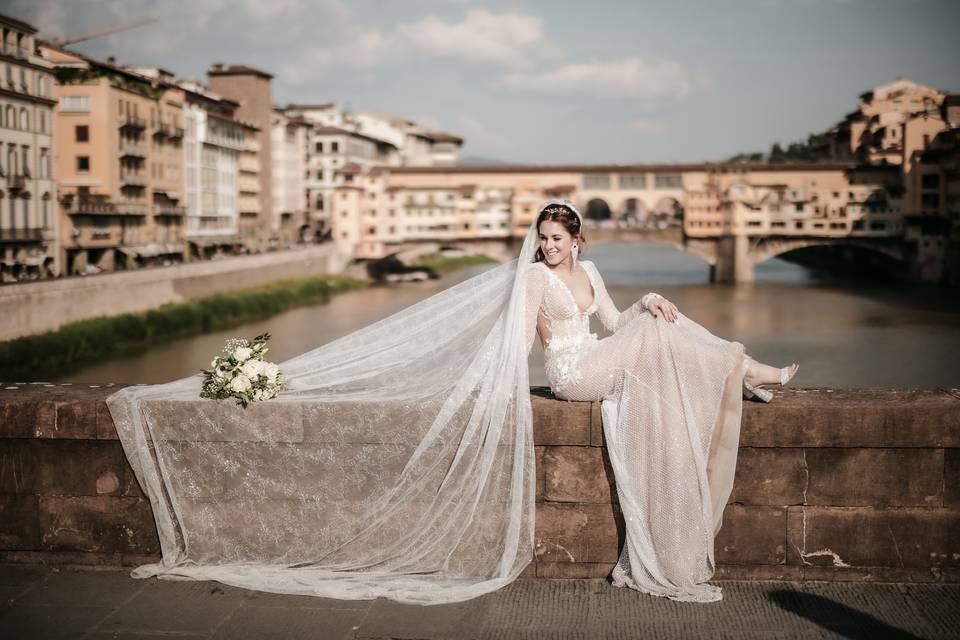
(75, 104)
(667, 181)
(596, 181)
(83, 164)
(82, 133)
(319, 147)
(633, 181)
(930, 181)
(334, 147)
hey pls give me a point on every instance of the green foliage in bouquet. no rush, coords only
(242, 373)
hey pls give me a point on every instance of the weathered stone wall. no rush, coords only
(35, 307)
(830, 485)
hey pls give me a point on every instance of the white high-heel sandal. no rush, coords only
(750, 391)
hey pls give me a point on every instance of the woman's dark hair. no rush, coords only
(564, 215)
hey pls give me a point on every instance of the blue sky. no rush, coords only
(551, 82)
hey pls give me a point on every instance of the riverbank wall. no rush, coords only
(849, 485)
(35, 307)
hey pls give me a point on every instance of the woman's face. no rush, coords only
(555, 242)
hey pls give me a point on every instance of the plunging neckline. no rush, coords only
(593, 290)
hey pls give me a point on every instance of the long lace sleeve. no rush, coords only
(534, 298)
(611, 317)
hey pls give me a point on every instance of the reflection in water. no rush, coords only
(844, 335)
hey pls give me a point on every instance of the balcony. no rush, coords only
(133, 123)
(134, 179)
(169, 210)
(88, 208)
(21, 235)
(132, 148)
(131, 208)
(16, 183)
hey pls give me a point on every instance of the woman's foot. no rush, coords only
(759, 374)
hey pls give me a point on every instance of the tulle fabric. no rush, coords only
(399, 461)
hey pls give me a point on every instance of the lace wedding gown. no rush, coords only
(671, 404)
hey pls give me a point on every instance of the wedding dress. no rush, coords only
(398, 462)
(671, 405)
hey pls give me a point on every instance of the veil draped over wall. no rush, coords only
(398, 462)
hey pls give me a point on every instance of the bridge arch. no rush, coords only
(669, 210)
(598, 209)
(768, 248)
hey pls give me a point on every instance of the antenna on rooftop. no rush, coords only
(104, 31)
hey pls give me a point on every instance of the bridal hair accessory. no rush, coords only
(242, 374)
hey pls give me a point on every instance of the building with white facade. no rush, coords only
(29, 220)
(289, 138)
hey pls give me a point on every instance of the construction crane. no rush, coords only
(97, 33)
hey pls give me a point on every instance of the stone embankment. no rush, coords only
(859, 485)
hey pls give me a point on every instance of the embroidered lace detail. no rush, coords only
(562, 358)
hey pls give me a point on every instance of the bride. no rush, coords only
(398, 461)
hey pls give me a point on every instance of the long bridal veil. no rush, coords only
(398, 462)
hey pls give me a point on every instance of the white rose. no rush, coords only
(213, 362)
(251, 368)
(258, 394)
(242, 353)
(240, 384)
(271, 371)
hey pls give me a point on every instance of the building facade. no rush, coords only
(29, 224)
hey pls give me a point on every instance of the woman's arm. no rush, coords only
(612, 318)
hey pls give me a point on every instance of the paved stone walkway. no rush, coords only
(41, 602)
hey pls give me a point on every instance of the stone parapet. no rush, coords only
(859, 485)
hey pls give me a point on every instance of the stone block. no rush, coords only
(574, 570)
(597, 437)
(875, 477)
(757, 572)
(853, 418)
(83, 468)
(99, 524)
(769, 476)
(752, 535)
(22, 416)
(908, 538)
(559, 422)
(578, 533)
(951, 478)
(578, 474)
(541, 478)
(20, 522)
(18, 465)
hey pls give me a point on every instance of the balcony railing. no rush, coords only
(131, 208)
(132, 148)
(21, 235)
(88, 208)
(132, 122)
(168, 210)
(134, 179)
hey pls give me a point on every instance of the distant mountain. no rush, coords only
(474, 160)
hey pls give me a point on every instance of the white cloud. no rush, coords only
(481, 137)
(632, 77)
(507, 38)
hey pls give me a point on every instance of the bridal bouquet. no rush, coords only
(242, 373)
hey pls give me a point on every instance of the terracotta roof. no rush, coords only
(301, 107)
(624, 168)
(17, 24)
(326, 130)
(438, 136)
(219, 69)
(350, 167)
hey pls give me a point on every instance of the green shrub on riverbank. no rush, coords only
(441, 264)
(84, 342)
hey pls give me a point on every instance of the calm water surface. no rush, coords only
(843, 334)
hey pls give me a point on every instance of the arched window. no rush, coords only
(24, 120)
(26, 210)
(11, 118)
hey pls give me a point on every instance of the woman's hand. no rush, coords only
(663, 306)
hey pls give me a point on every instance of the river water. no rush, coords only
(844, 334)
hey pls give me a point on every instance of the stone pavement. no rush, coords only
(44, 602)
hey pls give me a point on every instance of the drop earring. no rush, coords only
(574, 251)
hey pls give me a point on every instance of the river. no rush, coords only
(844, 334)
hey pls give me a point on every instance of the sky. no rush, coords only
(549, 81)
